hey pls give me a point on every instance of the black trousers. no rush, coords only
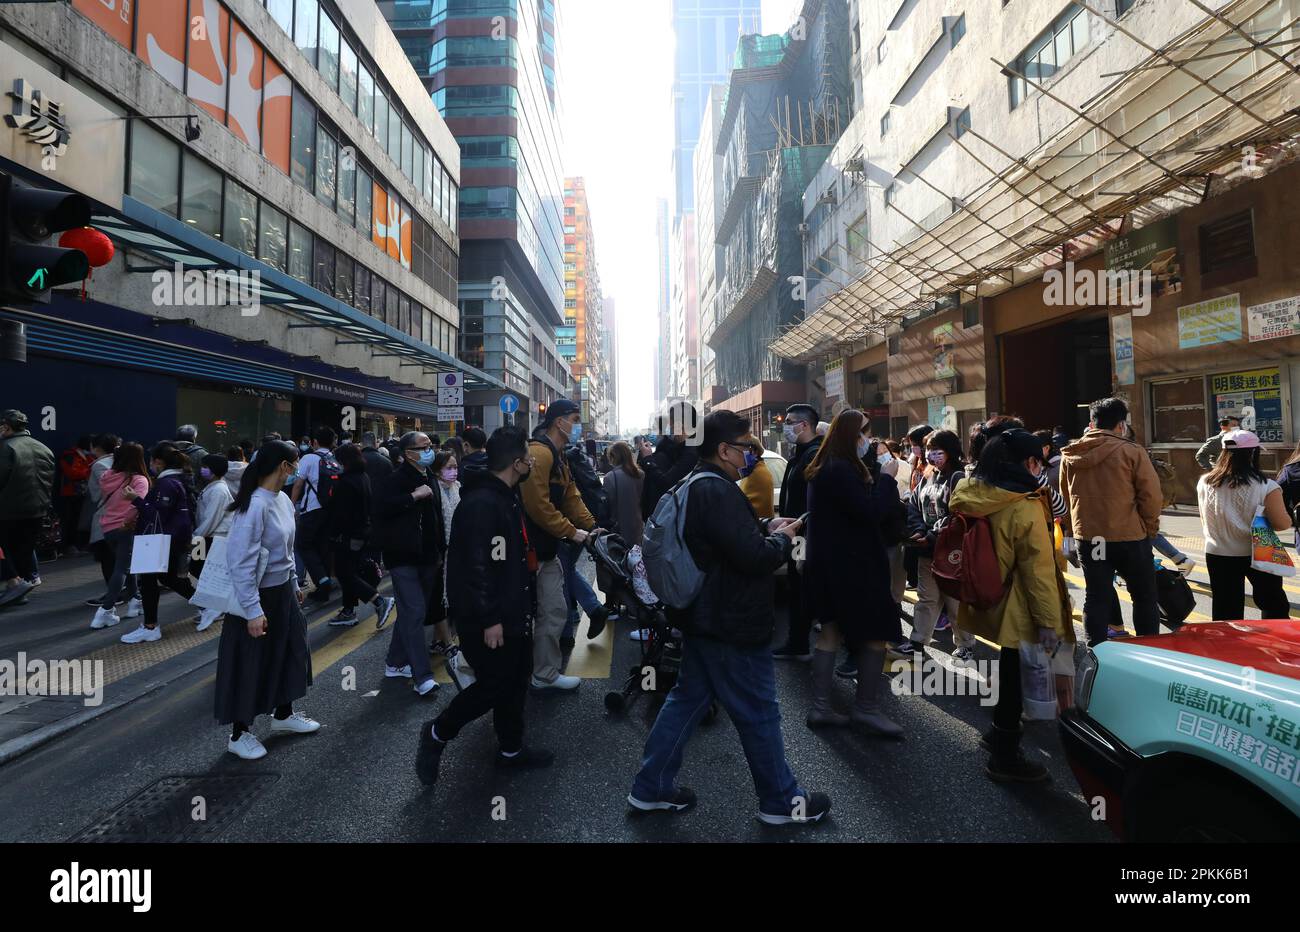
(347, 570)
(1006, 714)
(1132, 560)
(70, 520)
(18, 541)
(500, 686)
(312, 544)
(800, 623)
(1228, 577)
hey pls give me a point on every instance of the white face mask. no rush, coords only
(863, 446)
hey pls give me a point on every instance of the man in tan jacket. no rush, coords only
(555, 512)
(1113, 500)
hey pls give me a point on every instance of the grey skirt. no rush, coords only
(255, 675)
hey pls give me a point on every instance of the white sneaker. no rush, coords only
(560, 682)
(247, 747)
(105, 618)
(428, 686)
(394, 672)
(295, 724)
(1186, 567)
(639, 634)
(207, 618)
(459, 671)
(134, 609)
(142, 634)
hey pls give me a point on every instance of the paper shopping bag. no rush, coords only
(215, 589)
(150, 553)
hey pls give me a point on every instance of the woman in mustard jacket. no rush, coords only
(1036, 608)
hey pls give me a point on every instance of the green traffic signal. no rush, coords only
(29, 266)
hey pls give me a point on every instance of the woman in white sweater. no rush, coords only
(213, 521)
(263, 663)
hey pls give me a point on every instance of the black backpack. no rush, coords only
(329, 475)
(1174, 596)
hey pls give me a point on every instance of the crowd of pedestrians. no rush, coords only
(483, 540)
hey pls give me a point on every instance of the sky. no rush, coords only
(616, 74)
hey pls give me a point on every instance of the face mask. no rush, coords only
(751, 462)
(918, 452)
(304, 448)
(449, 475)
(205, 473)
(791, 435)
(884, 458)
(427, 457)
(863, 446)
(936, 457)
(291, 478)
(575, 432)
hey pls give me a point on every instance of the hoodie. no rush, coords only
(1022, 537)
(234, 473)
(1110, 489)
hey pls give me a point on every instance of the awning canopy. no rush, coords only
(1154, 138)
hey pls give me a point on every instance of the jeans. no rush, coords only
(310, 542)
(1228, 577)
(577, 591)
(412, 587)
(1166, 549)
(1131, 559)
(743, 679)
(119, 543)
(501, 678)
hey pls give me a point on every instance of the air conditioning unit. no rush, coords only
(855, 166)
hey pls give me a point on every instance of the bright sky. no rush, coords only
(616, 74)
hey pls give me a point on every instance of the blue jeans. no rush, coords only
(576, 588)
(1165, 548)
(744, 681)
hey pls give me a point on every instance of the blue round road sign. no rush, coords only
(509, 404)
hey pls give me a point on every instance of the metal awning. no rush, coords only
(1150, 142)
(169, 241)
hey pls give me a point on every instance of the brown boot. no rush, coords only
(866, 712)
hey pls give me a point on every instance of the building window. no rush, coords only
(1048, 53)
(201, 196)
(362, 287)
(327, 153)
(1178, 409)
(958, 30)
(155, 169)
(239, 226)
(961, 124)
(1228, 250)
(304, 28)
(302, 145)
(365, 193)
(299, 252)
(881, 50)
(970, 315)
(381, 116)
(348, 185)
(282, 12)
(343, 279)
(884, 125)
(272, 237)
(329, 52)
(395, 127)
(1123, 6)
(348, 76)
(891, 193)
(323, 280)
(366, 98)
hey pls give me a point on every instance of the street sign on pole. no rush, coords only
(451, 390)
(451, 413)
(509, 404)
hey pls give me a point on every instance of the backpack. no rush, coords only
(328, 475)
(1168, 480)
(671, 570)
(1174, 597)
(965, 563)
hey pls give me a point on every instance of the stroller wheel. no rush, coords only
(614, 702)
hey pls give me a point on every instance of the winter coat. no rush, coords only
(26, 477)
(588, 483)
(794, 488)
(379, 465)
(482, 589)
(758, 487)
(738, 557)
(847, 573)
(1289, 480)
(408, 532)
(624, 494)
(927, 508)
(234, 474)
(214, 510)
(347, 515)
(1021, 523)
(552, 502)
(95, 496)
(74, 471)
(116, 507)
(166, 509)
(1110, 489)
(671, 461)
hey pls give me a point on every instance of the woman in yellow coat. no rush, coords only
(757, 483)
(1036, 609)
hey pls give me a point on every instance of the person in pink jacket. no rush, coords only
(118, 524)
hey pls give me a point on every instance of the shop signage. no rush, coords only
(1253, 393)
(1153, 248)
(835, 378)
(324, 388)
(1274, 320)
(450, 414)
(41, 120)
(1122, 329)
(945, 341)
(1206, 323)
(934, 411)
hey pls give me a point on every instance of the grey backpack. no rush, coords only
(670, 568)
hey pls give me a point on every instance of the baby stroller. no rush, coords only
(661, 646)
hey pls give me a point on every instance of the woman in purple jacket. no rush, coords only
(167, 509)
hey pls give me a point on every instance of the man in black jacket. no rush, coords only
(728, 628)
(491, 591)
(407, 527)
(476, 459)
(801, 431)
(379, 465)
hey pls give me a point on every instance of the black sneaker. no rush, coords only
(804, 811)
(527, 759)
(848, 670)
(679, 800)
(1015, 769)
(596, 623)
(428, 755)
(800, 652)
(344, 619)
(904, 650)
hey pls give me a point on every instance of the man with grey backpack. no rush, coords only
(711, 561)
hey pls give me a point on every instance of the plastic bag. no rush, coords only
(1266, 551)
(1037, 683)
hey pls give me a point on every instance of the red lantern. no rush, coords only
(97, 247)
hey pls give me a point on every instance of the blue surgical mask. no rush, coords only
(884, 458)
(291, 478)
(427, 457)
(304, 448)
(575, 432)
(205, 473)
(863, 446)
(791, 435)
(751, 463)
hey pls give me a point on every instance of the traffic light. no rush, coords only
(29, 266)
(541, 408)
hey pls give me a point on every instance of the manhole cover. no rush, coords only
(178, 809)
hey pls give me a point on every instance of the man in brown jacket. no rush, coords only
(555, 512)
(1112, 498)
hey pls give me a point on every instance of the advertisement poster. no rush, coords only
(835, 378)
(934, 411)
(1274, 320)
(1153, 248)
(1217, 320)
(1122, 328)
(1254, 393)
(945, 342)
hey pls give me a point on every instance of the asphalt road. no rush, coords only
(354, 780)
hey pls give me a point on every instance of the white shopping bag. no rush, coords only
(1037, 683)
(215, 590)
(150, 553)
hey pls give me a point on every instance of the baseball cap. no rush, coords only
(1230, 419)
(562, 407)
(1240, 440)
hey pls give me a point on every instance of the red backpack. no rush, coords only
(965, 563)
